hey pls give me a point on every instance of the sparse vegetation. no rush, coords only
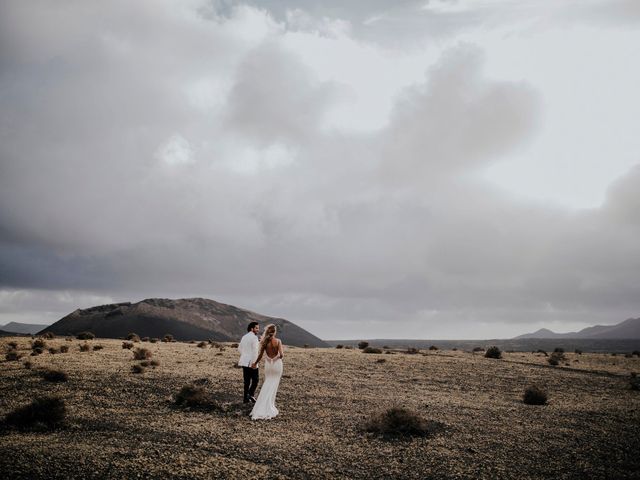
(363, 345)
(141, 354)
(137, 368)
(154, 340)
(534, 395)
(202, 345)
(127, 345)
(636, 353)
(154, 363)
(133, 337)
(51, 375)
(98, 347)
(43, 411)
(478, 349)
(556, 358)
(36, 351)
(381, 360)
(85, 336)
(400, 422)
(195, 396)
(433, 347)
(543, 352)
(634, 381)
(145, 339)
(38, 343)
(53, 350)
(371, 350)
(12, 344)
(339, 346)
(85, 347)
(577, 351)
(493, 352)
(13, 356)
(412, 350)
(64, 348)
(49, 335)
(28, 365)
(558, 350)
(168, 338)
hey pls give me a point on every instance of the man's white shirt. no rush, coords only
(249, 348)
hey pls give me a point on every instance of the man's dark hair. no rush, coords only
(251, 325)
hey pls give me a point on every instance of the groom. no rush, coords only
(249, 347)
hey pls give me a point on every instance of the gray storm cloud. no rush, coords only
(155, 150)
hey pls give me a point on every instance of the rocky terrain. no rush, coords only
(120, 424)
(185, 319)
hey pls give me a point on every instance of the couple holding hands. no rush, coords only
(251, 351)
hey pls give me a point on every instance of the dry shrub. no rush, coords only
(202, 345)
(168, 338)
(127, 345)
(42, 411)
(154, 340)
(141, 354)
(543, 352)
(12, 344)
(38, 343)
(400, 422)
(363, 345)
(145, 339)
(145, 363)
(28, 365)
(13, 356)
(51, 375)
(339, 346)
(534, 395)
(381, 360)
(634, 382)
(348, 347)
(371, 350)
(36, 351)
(154, 363)
(195, 397)
(412, 351)
(64, 348)
(578, 351)
(137, 368)
(85, 336)
(85, 347)
(98, 347)
(69, 339)
(433, 347)
(556, 358)
(49, 335)
(133, 337)
(636, 353)
(478, 349)
(493, 352)
(234, 345)
(53, 350)
(558, 350)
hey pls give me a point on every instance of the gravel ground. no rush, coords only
(125, 425)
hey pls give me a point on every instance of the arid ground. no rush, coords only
(121, 424)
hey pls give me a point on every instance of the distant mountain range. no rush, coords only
(23, 328)
(185, 319)
(627, 330)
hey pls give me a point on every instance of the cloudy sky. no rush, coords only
(399, 169)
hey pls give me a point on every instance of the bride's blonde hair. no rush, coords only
(269, 332)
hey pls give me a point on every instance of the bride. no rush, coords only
(265, 407)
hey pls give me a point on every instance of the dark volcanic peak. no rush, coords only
(185, 319)
(629, 329)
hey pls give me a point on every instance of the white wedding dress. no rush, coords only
(265, 406)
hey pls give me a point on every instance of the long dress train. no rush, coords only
(265, 406)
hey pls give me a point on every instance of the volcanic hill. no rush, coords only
(185, 319)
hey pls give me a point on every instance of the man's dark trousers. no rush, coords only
(251, 378)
